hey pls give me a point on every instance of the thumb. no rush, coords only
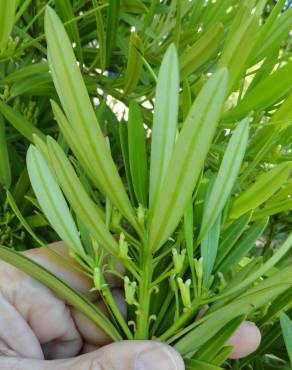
(125, 355)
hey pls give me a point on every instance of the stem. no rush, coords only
(116, 312)
(144, 293)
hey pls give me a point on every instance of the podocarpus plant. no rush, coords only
(184, 219)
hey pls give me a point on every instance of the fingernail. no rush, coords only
(160, 357)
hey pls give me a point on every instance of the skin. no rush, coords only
(38, 331)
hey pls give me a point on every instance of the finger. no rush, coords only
(16, 335)
(126, 355)
(91, 333)
(40, 313)
(245, 340)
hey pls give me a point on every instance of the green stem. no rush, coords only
(144, 293)
(116, 312)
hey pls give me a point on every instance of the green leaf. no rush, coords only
(138, 153)
(241, 38)
(272, 33)
(164, 121)
(22, 220)
(135, 63)
(266, 93)
(81, 203)
(209, 246)
(286, 325)
(187, 159)
(244, 245)
(263, 188)
(113, 15)
(25, 72)
(214, 345)
(58, 286)
(101, 56)
(201, 51)
(200, 365)
(212, 323)
(66, 13)
(81, 116)
(7, 11)
(5, 171)
(230, 237)
(51, 199)
(19, 122)
(226, 177)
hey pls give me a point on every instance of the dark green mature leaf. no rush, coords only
(286, 325)
(263, 188)
(79, 111)
(226, 177)
(244, 245)
(164, 127)
(135, 63)
(138, 153)
(113, 14)
(187, 159)
(19, 122)
(71, 296)
(5, 171)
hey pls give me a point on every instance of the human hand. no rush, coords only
(36, 325)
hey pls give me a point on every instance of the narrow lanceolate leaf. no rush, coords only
(200, 365)
(226, 177)
(51, 199)
(138, 153)
(113, 14)
(7, 14)
(165, 120)
(5, 171)
(202, 330)
(187, 159)
(200, 52)
(81, 203)
(19, 122)
(79, 111)
(101, 56)
(241, 39)
(266, 93)
(58, 286)
(22, 220)
(286, 325)
(135, 63)
(209, 247)
(244, 245)
(263, 188)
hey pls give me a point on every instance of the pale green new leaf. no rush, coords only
(7, 14)
(266, 93)
(79, 111)
(226, 177)
(286, 325)
(51, 199)
(187, 159)
(81, 203)
(263, 188)
(200, 52)
(164, 127)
